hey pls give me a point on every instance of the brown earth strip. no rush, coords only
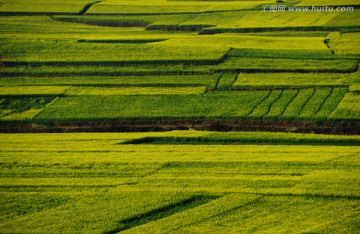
(326, 127)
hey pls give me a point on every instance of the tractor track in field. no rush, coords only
(324, 127)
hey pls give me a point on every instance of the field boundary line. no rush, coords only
(218, 80)
(226, 211)
(47, 105)
(87, 7)
(291, 100)
(262, 101)
(271, 104)
(323, 102)
(162, 212)
(308, 99)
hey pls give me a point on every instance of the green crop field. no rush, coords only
(179, 116)
(106, 183)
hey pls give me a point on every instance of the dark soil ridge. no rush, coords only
(325, 127)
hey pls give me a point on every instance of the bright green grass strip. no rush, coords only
(146, 9)
(290, 65)
(294, 108)
(291, 54)
(105, 70)
(278, 108)
(152, 81)
(287, 79)
(283, 19)
(216, 18)
(264, 107)
(226, 81)
(109, 211)
(291, 34)
(326, 3)
(331, 103)
(32, 90)
(109, 91)
(245, 41)
(355, 88)
(348, 109)
(43, 6)
(215, 208)
(315, 103)
(210, 106)
(168, 7)
(14, 205)
(312, 215)
(345, 19)
(345, 44)
(45, 28)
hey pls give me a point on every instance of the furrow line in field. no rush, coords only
(291, 100)
(325, 99)
(302, 107)
(262, 101)
(271, 104)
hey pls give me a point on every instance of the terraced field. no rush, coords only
(160, 65)
(150, 54)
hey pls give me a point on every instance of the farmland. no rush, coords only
(137, 54)
(179, 182)
(179, 116)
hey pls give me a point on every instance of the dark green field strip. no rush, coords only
(122, 41)
(279, 106)
(19, 52)
(348, 109)
(295, 107)
(231, 140)
(315, 103)
(264, 107)
(22, 108)
(168, 103)
(111, 81)
(107, 21)
(152, 107)
(331, 103)
(226, 81)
